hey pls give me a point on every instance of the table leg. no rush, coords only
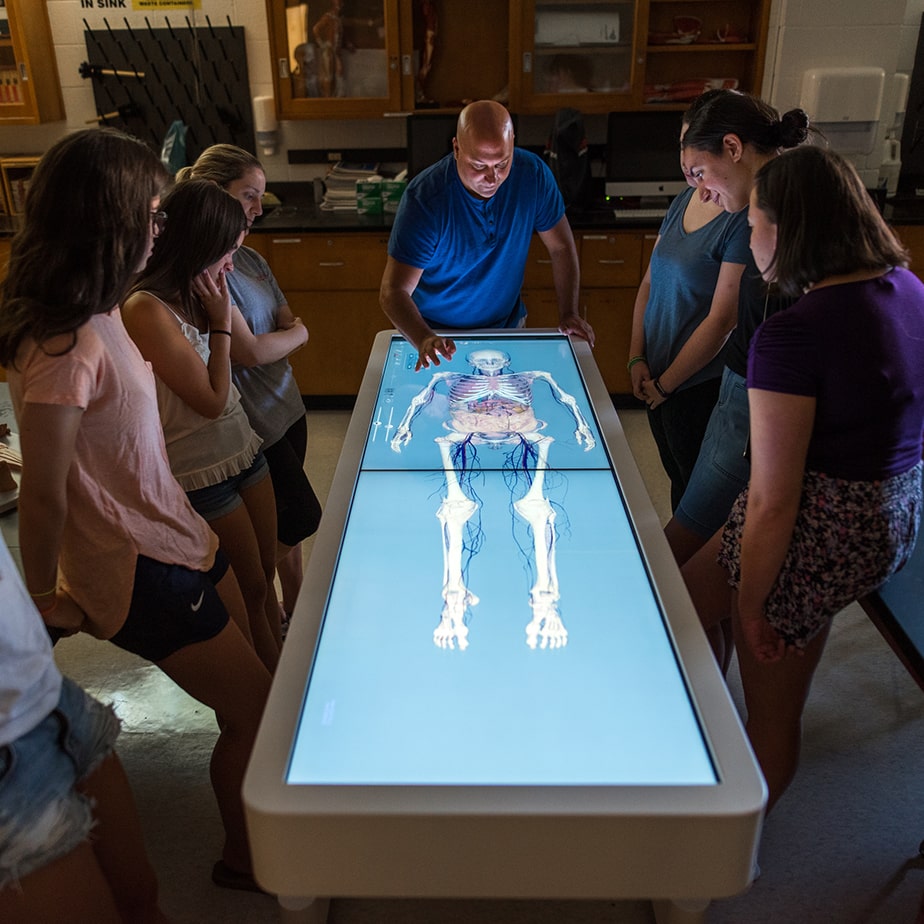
(680, 911)
(297, 909)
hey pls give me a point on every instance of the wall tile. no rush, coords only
(844, 13)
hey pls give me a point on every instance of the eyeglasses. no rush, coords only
(158, 221)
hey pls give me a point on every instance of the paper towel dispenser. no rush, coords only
(846, 104)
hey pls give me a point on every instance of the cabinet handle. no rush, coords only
(332, 263)
(611, 262)
(287, 240)
(544, 262)
(282, 65)
(527, 62)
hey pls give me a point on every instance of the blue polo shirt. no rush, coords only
(473, 251)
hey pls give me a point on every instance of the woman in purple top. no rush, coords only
(836, 393)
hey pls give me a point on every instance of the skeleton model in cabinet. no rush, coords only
(366, 58)
(30, 91)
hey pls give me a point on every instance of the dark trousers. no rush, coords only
(678, 426)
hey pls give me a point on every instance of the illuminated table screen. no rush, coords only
(387, 705)
(493, 658)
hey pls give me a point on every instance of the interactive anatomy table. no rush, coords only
(495, 685)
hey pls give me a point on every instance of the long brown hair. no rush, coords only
(203, 224)
(827, 223)
(86, 226)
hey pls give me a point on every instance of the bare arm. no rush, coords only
(250, 349)
(398, 282)
(559, 241)
(781, 428)
(48, 434)
(157, 333)
(708, 338)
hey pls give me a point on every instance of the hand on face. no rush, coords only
(212, 292)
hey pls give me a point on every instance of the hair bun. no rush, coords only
(793, 128)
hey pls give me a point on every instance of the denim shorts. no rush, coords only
(218, 500)
(172, 607)
(722, 467)
(42, 816)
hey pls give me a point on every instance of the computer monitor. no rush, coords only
(429, 137)
(643, 154)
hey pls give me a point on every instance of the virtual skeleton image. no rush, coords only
(492, 407)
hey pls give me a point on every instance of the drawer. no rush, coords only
(613, 259)
(310, 262)
(609, 312)
(538, 274)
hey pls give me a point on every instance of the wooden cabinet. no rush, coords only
(15, 175)
(331, 281)
(364, 58)
(604, 55)
(912, 236)
(612, 266)
(333, 60)
(694, 44)
(30, 91)
(578, 53)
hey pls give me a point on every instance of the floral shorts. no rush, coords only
(848, 538)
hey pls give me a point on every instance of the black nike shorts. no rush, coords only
(172, 607)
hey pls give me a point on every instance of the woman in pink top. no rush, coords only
(110, 544)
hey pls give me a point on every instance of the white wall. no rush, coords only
(804, 33)
(832, 33)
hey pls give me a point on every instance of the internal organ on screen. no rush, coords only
(493, 407)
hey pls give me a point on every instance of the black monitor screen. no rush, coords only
(643, 153)
(429, 137)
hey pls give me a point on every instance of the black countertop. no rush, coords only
(299, 213)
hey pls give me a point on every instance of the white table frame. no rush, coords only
(678, 846)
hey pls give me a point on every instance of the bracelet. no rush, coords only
(633, 361)
(227, 333)
(44, 593)
(660, 390)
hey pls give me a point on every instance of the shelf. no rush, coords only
(700, 47)
(611, 48)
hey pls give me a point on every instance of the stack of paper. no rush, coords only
(340, 185)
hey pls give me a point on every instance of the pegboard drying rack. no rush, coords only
(144, 79)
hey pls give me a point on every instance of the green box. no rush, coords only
(369, 205)
(392, 190)
(369, 188)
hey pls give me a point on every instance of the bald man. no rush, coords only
(459, 243)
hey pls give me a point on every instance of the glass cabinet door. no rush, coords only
(578, 53)
(334, 58)
(29, 87)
